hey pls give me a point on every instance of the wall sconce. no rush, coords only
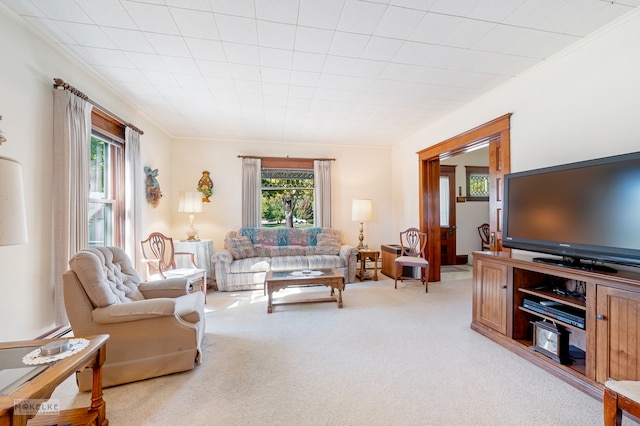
(3, 138)
(361, 211)
(190, 202)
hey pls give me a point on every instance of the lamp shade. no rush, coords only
(13, 221)
(190, 202)
(361, 210)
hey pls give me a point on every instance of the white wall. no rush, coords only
(581, 104)
(26, 83)
(357, 172)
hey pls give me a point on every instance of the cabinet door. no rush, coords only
(490, 295)
(618, 334)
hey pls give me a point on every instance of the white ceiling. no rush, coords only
(364, 72)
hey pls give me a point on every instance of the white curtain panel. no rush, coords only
(134, 193)
(322, 193)
(71, 151)
(251, 192)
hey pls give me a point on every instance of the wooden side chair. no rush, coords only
(484, 232)
(413, 243)
(620, 396)
(159, 255)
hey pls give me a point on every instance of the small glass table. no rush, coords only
(39, 383)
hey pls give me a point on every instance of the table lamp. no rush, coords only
(361, 212)
(190, 202)
(13, 220)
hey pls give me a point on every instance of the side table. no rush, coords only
(371, 255)
(43, 385)
(202, 250)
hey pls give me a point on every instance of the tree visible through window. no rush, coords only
(287, 198)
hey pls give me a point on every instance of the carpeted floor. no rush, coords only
(389, 357)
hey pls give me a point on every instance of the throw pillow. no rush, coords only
(240, 248)
(328, 244)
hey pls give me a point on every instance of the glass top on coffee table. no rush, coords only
(303, 273)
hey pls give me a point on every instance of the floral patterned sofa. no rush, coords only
(250, 252)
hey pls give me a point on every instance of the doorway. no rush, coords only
(494, 133)
(448, 234)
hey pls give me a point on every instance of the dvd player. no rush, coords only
(565, 314)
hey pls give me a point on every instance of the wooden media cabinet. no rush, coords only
(606, 345)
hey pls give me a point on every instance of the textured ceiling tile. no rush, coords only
(308, 61)
(205, 49)
(63, 10)
(273, 34)
(203, 5)
(181, 65)
(107, 14)
(285, 11)
(147, 61)
(276, 58)
(320, 14)
(398, 22)
(360, 17)
(152, 18)
(313, 40)
(235, 7)
(129, 40)
(237, 53)
(381, 48)
(196, 24)
(237, 29)
(87, 35)
(167, 44)
(348, 44)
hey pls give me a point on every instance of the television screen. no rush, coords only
(588, 210)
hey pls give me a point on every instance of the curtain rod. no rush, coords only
(58, 82)
(287, 157)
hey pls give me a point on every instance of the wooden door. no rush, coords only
(618, 334)
(490, 282)
(447, 215)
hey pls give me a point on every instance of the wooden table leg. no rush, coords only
(375, 268)
(269, 298)
(97, 403)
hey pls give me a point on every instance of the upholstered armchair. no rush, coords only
(156, 327)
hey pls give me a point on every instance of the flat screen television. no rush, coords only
(589, 210)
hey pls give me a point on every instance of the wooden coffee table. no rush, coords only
(330, 277)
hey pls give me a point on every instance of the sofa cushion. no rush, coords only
(240, 247)
(325, 261)
(282, 236)
(328, 244)
(287, 251)
(250, 264)
(285, 263)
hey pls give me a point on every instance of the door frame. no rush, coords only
(497, 134)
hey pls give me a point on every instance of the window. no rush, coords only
(287, 197)
(106, 191)
(106, 181)
(478, 183)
